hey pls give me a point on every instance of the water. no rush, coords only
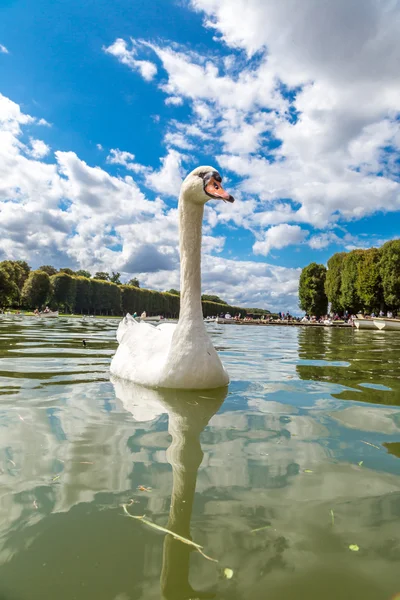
(304, 448)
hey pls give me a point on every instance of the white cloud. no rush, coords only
(309, 127)
(202, 81)
(119, 49)
(126, 159)
(71, 214)
(279, 237)
(167, 180)
(120, 157)
(3, 49)
(340, 63)
(44, 123)
(99, 147)
(174, 100)
(38, 149)
(322, 240)
(179, 140)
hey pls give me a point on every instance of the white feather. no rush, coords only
(168, 355)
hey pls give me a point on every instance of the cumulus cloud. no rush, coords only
(174, 100)
(297, 104)
(147, 259)
(179, 140)
(119, 49)
(167, 180)
(69, 213)
(3, 49)
(38, 149)
(279, 237)
(313, 118)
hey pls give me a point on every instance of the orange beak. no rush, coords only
(215, 190)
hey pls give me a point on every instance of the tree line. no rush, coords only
(358, 281)
(102, 294)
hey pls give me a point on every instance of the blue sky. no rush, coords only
(104, 107)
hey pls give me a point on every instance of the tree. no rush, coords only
(211, 298)
(83, 273)
(17, 276)
(83, 294)
(101, 275)
(63, 291)
(312, 295)
(49, 269)
(134, 281)
(349, 297)
(67, 270)
(8, 288)
(173, 292)
(389, 268)
(333, 281)
(115, 278)
(369, 284)
(25, 270)
(36, 290)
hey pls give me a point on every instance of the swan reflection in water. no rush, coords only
(189, 412)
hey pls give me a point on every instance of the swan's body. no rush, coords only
(182, 355)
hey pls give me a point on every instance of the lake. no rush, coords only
(290, 479)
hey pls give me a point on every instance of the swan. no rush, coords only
(178, 355)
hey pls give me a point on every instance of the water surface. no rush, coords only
(303, 448)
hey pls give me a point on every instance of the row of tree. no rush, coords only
(360, 280)
(114, 277)
(73, 293)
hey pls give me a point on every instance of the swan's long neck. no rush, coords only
(190, 223)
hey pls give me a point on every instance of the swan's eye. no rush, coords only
(216, 186)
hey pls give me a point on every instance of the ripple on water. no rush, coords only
(304, 449)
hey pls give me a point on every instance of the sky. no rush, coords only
(106, 106)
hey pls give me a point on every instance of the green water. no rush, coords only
(280, 450)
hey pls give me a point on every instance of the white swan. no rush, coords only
(178, 355)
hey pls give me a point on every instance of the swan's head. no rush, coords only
(203, 184)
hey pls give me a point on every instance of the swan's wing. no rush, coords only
(143, 350)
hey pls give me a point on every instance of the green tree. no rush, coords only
(83, 295)
(349, 297)
(49, 269)
(134, 281)
(67, 270)
(333, 281)
(24, 272)
(389, 267)
(63, 291)
(17, 275)
(8, 288)
(36, 290)
(101, 275)
(312, 295)
(173, 292)
(369, 284)
(211, 298)
(115, 278)
(83, 273)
